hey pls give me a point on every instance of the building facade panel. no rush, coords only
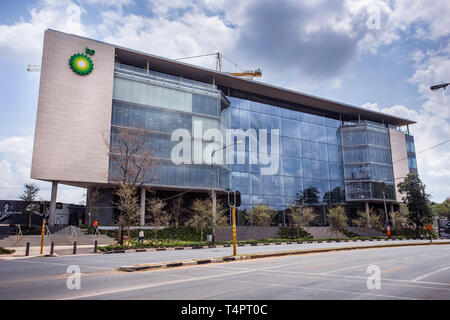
(399, 158)
(74, 112)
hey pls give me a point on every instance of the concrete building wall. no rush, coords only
(74, 112)
(399, 158)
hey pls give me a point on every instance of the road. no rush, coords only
(421, 272)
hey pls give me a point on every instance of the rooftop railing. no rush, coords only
(150, 74)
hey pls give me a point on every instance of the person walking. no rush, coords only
(141, 237)
(95, 225)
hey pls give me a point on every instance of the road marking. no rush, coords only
(393, 269)
(135, 288)
(64, 264)
(328, 276)
(322, 265)
(429, 274)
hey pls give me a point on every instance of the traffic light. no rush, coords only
(231, 198)
(238, 199)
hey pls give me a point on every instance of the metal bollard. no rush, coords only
(27, 250)
(52, 247)
(74, 247)
(95, 246)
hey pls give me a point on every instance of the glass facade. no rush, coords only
(319, 160)
(367, 162)
(310, 160)
(411, 152)
(159, 105)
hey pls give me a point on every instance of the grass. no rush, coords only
(6, 251)
(169, 243)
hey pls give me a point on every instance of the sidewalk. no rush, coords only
(35, 251)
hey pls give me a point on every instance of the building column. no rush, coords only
(51, 216)
(367, 213)
(142, 218)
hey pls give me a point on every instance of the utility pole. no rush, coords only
(213, 193)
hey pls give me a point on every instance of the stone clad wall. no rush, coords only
(74, 112)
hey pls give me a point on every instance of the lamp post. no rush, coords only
(213, 193)
(439, 86)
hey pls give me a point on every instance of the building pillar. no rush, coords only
(51, 216)
(368, 213)
(142, 217)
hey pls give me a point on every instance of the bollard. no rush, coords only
(52, 247)
(74, 247)
(27, 250)
(95, 246)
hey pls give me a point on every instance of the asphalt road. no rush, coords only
(421, 272)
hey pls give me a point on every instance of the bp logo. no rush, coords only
(81, 63)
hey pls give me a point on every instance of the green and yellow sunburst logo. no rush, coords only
(81, 64)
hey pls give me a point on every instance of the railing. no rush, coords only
(97, 232)
(48, 233)
(150, 74)
(19, 233)
(72, 233)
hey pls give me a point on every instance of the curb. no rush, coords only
(175, 264)
(249, 245)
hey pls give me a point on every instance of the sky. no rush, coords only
(377, 54)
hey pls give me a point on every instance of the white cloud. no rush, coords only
(433, 121)
(15, 168)
(23, 40)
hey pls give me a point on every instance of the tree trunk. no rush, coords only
(201, 235)
(29, 220)
(129, 239)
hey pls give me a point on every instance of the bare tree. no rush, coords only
(202, 215)
(132, 162)
(29, 197)
(177, 209)
(128, 204)
(158, 216)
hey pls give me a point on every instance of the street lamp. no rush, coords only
(439, 86)
(213, 193)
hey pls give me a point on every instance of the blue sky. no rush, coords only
(325, 48)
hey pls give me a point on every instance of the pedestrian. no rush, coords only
(141, 237)
(95, 225)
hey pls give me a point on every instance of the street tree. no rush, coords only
(29, 198)
(417, 201)
(177, 209)
(442, 210)
(338, 219)
(202, 217)
(132, 162)
(262, 215)
(157, 215)
(372, 220)
(128, 204)
(300, 216)
(399, 219)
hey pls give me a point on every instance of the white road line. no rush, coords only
(148, 286)
(65, 264)
(429, 274)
